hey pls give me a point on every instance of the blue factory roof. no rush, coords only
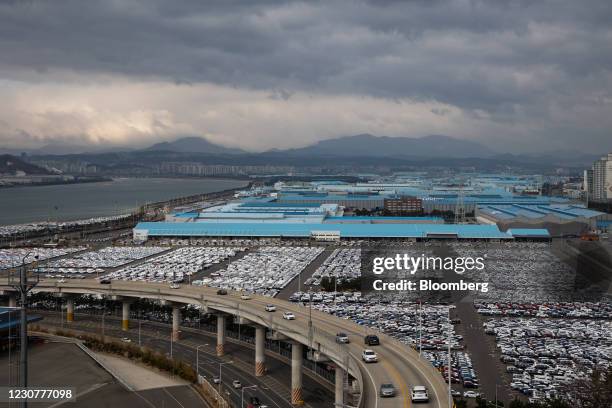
(305, 230)
(566, 212)
(375, 218)
(529, 232)
(268, 204)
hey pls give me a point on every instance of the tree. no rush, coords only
(594, 392)
(461, 403)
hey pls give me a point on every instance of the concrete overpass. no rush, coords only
(398, 363)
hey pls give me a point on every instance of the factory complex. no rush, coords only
(488, 208)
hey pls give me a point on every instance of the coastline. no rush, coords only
(106, 179)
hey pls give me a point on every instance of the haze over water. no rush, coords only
(77, 201)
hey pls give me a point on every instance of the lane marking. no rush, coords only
(401, 383)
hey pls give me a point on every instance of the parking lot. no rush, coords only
(264, 271)
(176, 266)
(10, 258)
(545, 355)
(96, 262)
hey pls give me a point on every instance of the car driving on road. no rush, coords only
(371, 340)
(369, 356)
(342, 338)
(387, 390)
(288, 316)
(419, 394)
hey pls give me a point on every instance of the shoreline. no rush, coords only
(138, 207)
(114, 178)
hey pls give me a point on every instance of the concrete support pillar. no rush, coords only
(260, 356)
(125, 316)
(220, 335)
(12, 300)
(69, 309)
(176, 322)
(339, 399)
(296, 373)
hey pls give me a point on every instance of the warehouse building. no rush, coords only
(558, 219)
(146, 230)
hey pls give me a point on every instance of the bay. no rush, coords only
(19, 205)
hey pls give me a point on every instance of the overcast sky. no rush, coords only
(518, 76)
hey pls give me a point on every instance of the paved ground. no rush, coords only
(138, 377)
(94, 387)
(221, 265)
(482, 349)
(298, 282)
(274, 389)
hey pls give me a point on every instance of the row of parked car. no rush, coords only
(108, 257)
(52, 226)
(343, 264)
(578, 310)
(12, 257)
(265, 270)
(545, 355)
(175, 266)
(523, 272)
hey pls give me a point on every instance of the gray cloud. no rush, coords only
(531, 71)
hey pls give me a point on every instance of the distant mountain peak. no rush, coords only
(193, 144)
(387, 146)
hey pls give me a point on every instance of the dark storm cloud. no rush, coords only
(507, 61)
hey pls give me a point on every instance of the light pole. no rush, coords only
(221, 378)
(450, 398)
(23, 288)
(420, 327)
(198, 359)
(242, 394)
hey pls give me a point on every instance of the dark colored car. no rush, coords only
(371, 340)
(222, 292)
(105, 281)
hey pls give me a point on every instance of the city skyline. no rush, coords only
(515, 77)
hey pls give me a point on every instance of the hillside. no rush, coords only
(11, 164)
(193, 145)
(383, 146)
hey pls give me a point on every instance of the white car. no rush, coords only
(245, 296)
(471, 394)
(419, 394)
(288, 316)
(270, 308)
(126, 340)
(236, 384)
(369, 356)
(175, 286)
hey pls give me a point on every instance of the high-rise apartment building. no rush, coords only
(600, 189)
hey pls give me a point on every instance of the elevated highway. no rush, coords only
(398, 363)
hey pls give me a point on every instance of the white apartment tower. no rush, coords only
(602, 180)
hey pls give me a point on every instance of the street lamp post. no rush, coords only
(23, 287)
(221, 364)
(198, 359)
(450, 398)
(242, 394)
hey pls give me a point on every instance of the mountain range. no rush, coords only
(363, 145)
(357, 146)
